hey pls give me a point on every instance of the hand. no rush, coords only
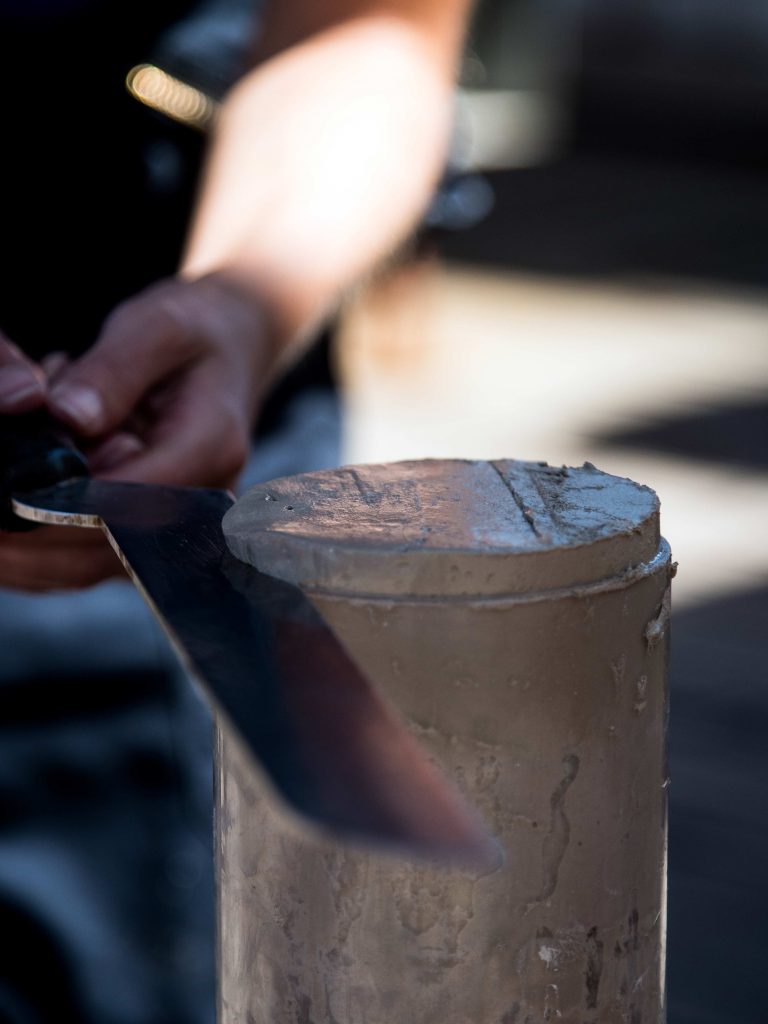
(56, 556)
(167, 394)
(180, 367)
(22, 382)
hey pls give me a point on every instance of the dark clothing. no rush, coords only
(106, 873)
(106, 901)
(88, 216)
(98, 189)
(106, 886)
(105, 864)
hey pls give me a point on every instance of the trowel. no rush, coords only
(334, 754)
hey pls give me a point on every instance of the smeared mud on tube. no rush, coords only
(516, 615)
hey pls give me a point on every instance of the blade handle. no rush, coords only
(35, 451)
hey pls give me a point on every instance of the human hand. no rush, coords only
(57, 556)
(167, 394)
(180, 368)
(22, 382)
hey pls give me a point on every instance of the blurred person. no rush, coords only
(327, 147)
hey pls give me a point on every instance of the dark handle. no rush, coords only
(35, 452)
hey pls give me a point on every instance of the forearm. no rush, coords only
(324, 157)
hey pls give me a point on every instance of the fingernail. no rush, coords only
(115, 451)
(17, 384)
(77, 403)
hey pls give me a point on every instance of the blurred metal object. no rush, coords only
(517, 615)
(170, 96)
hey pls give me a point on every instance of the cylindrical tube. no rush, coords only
(546, 700)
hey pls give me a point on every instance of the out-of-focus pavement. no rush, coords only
(661, 377)
(445, 361)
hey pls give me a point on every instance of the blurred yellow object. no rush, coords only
(157, 89)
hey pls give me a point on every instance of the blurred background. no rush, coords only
(593, 285)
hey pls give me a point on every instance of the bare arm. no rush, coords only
(327, 152)
(322, 160)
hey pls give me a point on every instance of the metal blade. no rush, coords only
(331, 747)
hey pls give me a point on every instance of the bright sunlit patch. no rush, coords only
(157, 89)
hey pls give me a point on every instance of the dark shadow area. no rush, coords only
(615, 215)
(718, 902)
(660, 164)
(736, 434)
(673, 77)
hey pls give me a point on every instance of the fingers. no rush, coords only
(103, 453)
(169, 390)
(56, 558)
(113, 451)
(202, 438)
(144, 340)
(53, 365)
(166, 395)
(22, 383)
(156, 336)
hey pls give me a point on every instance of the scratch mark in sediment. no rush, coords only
(536, 477)
(618, 670)
(558, 835)
(594, 967)
(525, 511)
(369, 497)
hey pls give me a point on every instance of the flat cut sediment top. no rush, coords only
(445, 528)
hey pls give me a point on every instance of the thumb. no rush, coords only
(22, 383)
(144, 340)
